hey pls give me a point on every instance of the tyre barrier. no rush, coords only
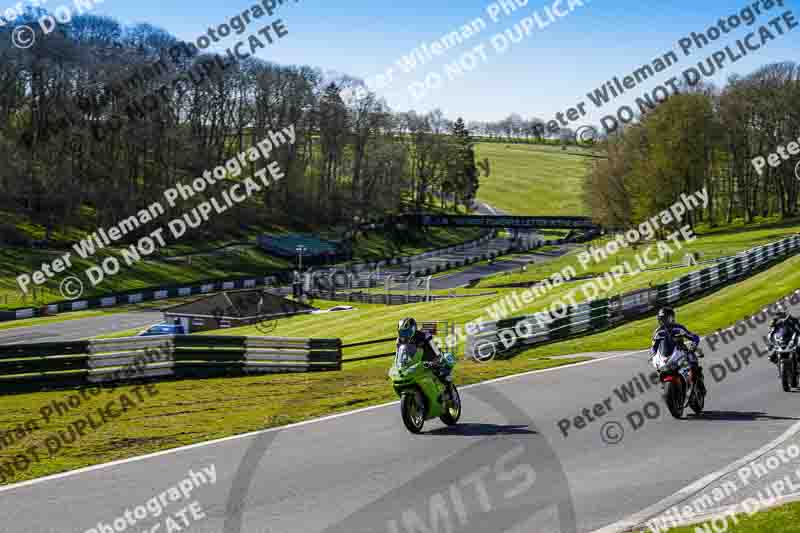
(504, 338)
(27, 367)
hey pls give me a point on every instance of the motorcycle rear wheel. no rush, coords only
(412, 411)
(452, 410)
(674, 399)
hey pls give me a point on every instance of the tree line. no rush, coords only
(705, 136)
(76, 156)
(515, 127)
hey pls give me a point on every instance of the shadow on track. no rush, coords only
(741, 416)
(483, 430)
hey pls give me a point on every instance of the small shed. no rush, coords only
(233, 309)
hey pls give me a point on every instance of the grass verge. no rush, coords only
(710, 245)
(233, 262)
(784, 519)
(526, 180)
(186, 412)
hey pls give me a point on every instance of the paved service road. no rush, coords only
(80, 328)
(364, 473)
(459, 279)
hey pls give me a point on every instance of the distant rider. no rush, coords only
(665, 335)
(782, 315)
(407, 332)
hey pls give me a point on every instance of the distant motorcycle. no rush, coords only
(423, 395)
(784, 342)
(681, 386)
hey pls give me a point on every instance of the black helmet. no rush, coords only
(406, 329)
(666, 316)
(780, 311)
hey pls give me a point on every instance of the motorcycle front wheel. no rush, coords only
(786, 377)
(413, 412)
(452, 409)
(674, 398)
(698, 401)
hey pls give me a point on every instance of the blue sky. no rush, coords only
(549, 71)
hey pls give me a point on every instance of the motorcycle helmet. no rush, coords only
(666, 316)
(406, 329)
(780, 311)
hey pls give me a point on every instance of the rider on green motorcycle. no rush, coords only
(408, 333)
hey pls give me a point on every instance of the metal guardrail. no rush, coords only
(495, 338)
(30, 308)
(93, 362)
(368, 343)
(442, 327)
(139, 296)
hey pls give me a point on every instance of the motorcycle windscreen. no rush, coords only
(449, 359)
(405, 355)
(781, 336)
(661, 356)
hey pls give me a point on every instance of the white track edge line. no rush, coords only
(70, 473)
(119, 462)
(738, 508)
(638, 519)
(650, 511)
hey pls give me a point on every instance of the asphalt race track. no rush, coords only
(80, 328)
(505, 467)
(459, 279)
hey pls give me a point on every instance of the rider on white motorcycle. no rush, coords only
(664, 341)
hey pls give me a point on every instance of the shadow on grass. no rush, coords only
(743, 228)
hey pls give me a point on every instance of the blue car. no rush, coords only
(163, 329)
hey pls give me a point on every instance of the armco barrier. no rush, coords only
(68, 364)
(321, 283)
(506, 337)
(138, 296)
(362, 267)
(391, 298)
(189, 289)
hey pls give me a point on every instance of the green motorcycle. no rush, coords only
(423, 396)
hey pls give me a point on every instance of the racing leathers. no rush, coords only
(430, 353)
(664, 341)
(793, 326)
(793, 323)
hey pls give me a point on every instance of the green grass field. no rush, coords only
(185, 412)
(783, 519)
(523, 176)
(533, 180)
(710, 244)
(373, 320)
(16, 261)
(237, 261)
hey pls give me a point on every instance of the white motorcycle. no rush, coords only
(681, 386)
